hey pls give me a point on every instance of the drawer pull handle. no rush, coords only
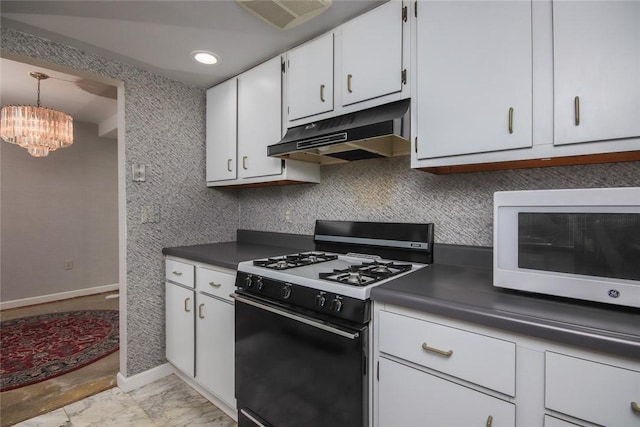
(489, 421)
(186, 305)
(322, 93)
(510, 119)
(177, 273)
(349, 77)
(447, 353)
(576, 109)
(635, 408)
(200, 312)
(229, 165)
(244, 162)
(214, 284)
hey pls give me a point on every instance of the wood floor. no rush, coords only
(30, 401)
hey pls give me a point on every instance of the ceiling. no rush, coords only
(85, 100)
(159, 35)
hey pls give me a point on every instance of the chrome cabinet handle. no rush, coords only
(447, 353)
(229, 165)
(322, 93)
(200, 312)
(510, 119)
(244, 162)
(635, 408)
(177, 273)
(349, 77)
(489, 421)
(186, 305)
(214, 284)
(576, 109)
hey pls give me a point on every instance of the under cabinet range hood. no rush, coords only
(381, 131)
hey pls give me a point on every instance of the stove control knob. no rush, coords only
(259, 283)
(248, 280)
(321, 299)
(336, 304)
(286, 291)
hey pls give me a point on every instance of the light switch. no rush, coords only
(138, 172)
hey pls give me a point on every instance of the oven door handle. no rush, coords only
(297, 318)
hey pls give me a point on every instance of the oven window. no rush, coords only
(591, 244)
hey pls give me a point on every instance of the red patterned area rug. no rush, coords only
(37, 348)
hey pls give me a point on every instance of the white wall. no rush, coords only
(63, 206)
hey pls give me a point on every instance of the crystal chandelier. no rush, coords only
(37, 129)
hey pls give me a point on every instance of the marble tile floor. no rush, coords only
(167, 402)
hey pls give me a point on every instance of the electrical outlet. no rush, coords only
(287, 216)
(68, 264)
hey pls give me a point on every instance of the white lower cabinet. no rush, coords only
(412, 398)
(591, 391)
(200, 329)
(443, 372)
(214, 349)
(180, 338)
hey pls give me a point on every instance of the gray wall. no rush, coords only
(460, 205)
(64, 206)
(164, 130)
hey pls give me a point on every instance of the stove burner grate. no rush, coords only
(366, 273)
(296, 260)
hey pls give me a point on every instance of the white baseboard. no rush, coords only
(57, 297)
(133, 382)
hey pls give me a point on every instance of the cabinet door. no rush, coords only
(474, 78)
(259, 119)
(221, 131)
(372, 54)
(596, 66)
(412, 398)
(215, 347)
(310, 78)
(180, 334)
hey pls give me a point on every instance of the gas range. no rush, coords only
(302, 323)
(336, 279)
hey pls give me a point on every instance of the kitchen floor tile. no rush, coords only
(168, 402)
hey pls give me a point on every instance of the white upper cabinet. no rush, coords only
(221, 131)
(473, 77)
(372, 54)
(310, 78)
(596, 54)
(244, 116)
(259, 119)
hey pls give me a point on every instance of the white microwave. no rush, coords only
(578, 243)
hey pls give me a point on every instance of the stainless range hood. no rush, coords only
(381, 131)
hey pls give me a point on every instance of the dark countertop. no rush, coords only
(459, 285)
(467, 293)
(248, 245)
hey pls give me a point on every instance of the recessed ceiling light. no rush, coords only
(204, 57)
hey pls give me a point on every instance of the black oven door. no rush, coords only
(295, 370)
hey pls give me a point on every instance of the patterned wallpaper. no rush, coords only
(460, 205)
(164, 130)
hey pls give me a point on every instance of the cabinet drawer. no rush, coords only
(591, 391)
(411, 398)
(488, 362)
(179, 272)
(214, 282)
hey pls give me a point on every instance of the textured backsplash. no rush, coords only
(460, 205)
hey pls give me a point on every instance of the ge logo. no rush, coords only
(614, 293)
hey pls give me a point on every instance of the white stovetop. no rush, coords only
(308, 275)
